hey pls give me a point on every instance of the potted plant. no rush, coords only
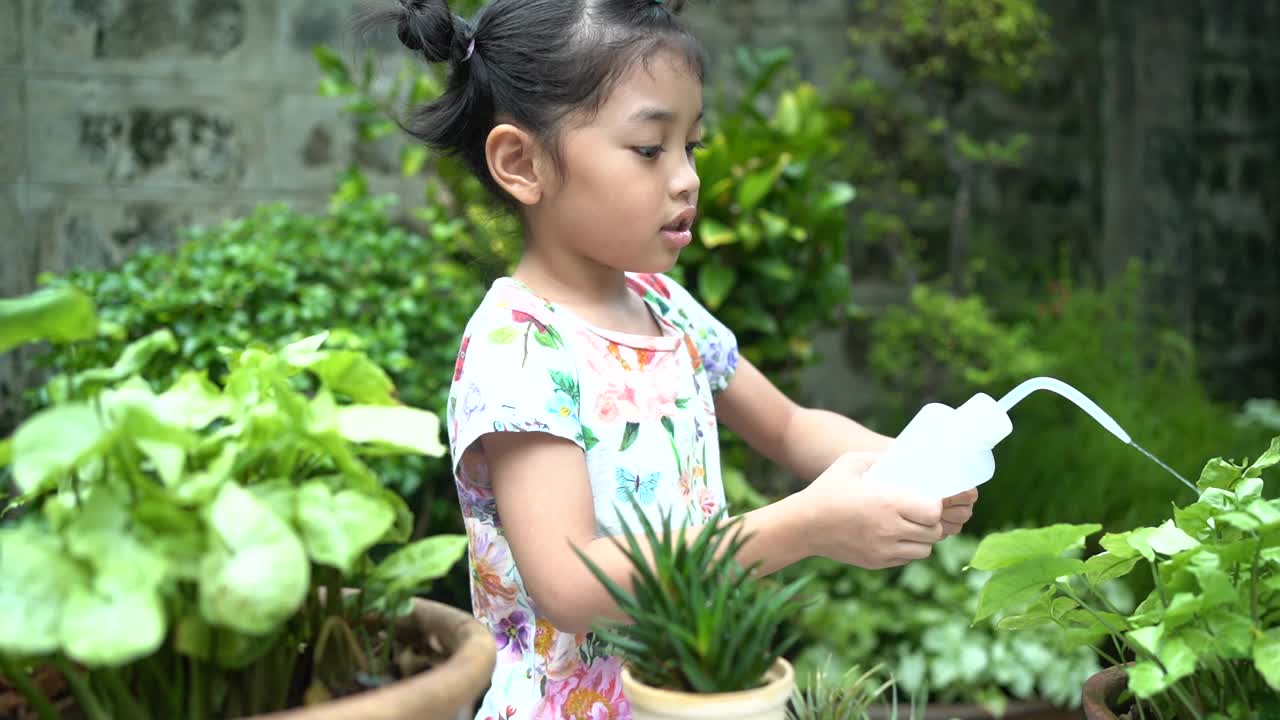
(1205, 643)
(702, 641)
(820, 695)
(204, 551)
(915, 621)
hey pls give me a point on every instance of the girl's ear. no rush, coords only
(517, 163)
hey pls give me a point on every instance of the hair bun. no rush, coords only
(427, 27)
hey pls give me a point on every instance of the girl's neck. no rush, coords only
(572, 280)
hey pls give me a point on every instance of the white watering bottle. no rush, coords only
(944, 451)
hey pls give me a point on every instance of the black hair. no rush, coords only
(531, 63)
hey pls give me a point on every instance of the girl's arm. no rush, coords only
(545, 505)
(804, 440)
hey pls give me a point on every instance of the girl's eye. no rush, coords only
(695, 145)
(648, 152)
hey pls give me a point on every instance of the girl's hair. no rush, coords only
(531, 63)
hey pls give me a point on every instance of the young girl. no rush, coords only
(588, 377)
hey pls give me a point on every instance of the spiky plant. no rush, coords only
(700, 621)
(848, 696)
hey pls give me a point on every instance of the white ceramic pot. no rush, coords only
(767, 702)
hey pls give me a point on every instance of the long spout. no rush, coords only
(1016, 395)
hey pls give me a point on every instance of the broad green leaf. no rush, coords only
(1005, 549)
(112, 629)
(58, 315)
(416, 564)
(1140, 540)
(352, 374)
(397, 426)
(259, 574)
(338, 529)
(1218, 473)
(1147, 638)
(1182, 608)
(36, 578)
(715, 282)
(1268, 459)
(54, 442)
(1170, 540)
(1106, 566)
(331, 63)
(1266, 656)
(1215, 585)
(1231, 633)
(1118, 545)
(715, 234)
(1147, 680)
(193, 402)
(131, 361)
(1012, 586)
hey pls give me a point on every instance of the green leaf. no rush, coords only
(36, 579)
(1001, 550)
(59, 315)
(1170, 540)
(412, 160)
(258, 575)
(338, 529)
(414, 565)
(1266, 656)
(397, 426)
(1268, 459)
(112, 629)
(1218, 473)
(504, 335)
(132, 360)
(545, 339)
(589, 439)
(629, 435)
(331, 63)
(350, 373)
(715, 281)
(55, 441)
(714, 234)
(1009, 587)
(836, 196)
(755, 186)
(1106, 566)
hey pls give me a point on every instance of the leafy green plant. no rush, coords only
(824, 696)
(1206, 641)
(915, 621)
(185, 549)
(700, 621)
(279, 275)
(770, 255)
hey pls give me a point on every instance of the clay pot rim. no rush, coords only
(778, 689)
(469, 645)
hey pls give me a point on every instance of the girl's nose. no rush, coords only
(686, 183)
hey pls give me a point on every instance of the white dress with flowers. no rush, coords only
(641, 409)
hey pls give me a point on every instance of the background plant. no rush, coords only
(176, 541)
(1206, 641)
(279, 275)
(916, 622)
(700, 621)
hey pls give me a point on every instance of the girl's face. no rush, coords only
(627, 197)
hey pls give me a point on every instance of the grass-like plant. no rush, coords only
(699, 621)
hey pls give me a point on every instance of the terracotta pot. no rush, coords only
(768, 702)
(441, 693)
(1017, 710)
(1102, 691)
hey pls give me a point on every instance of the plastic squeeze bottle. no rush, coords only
(944, 450)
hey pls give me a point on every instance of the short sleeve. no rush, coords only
(716, 343)
(514, 374)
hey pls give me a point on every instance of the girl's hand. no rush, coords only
(957, 509)
(859, 522)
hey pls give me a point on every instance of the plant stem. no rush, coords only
(84, 694)
(162, 685)
(29, 690)
(199, 691)
(124, 699)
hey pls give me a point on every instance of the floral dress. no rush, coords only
(641, 409)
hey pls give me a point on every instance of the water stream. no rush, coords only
(1014, 396)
